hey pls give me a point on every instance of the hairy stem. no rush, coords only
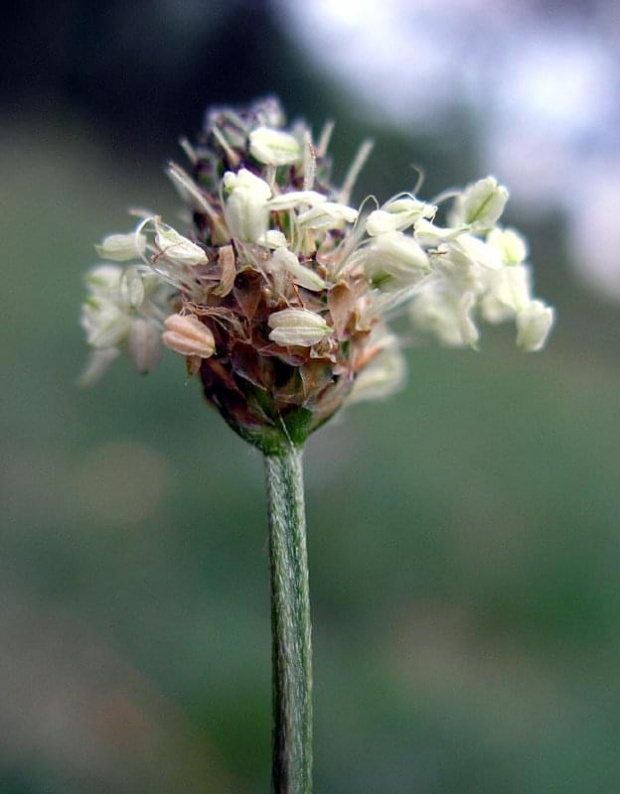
(290, 625)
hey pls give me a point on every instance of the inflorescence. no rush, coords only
(279, 296)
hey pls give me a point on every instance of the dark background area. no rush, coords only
(463, 536)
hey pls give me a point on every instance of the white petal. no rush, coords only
(511, 246)
(143, 344)
(274, 147)
(296, 198)
(122, 247)
(431, 236)
(480, 204)
(329, 215)
(297, 327)
(246, 179)
(246, 210)
(132, 288)
(510, 287)
(479, 252)
(104, 279)
(397, 215)
(394, 260)
(273, 239)
(106, 327)
(533, 326)
(447, 316)
(384, 376)
(97, 365)
(176, 249)
(380, 222)
(285, 261)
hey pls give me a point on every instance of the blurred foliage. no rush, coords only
(463, 540)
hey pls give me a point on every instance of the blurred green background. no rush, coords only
(463, 536)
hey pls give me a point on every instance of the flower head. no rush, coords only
(278, 296)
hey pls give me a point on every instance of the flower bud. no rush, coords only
(273, 239)
(393, 261)
(176, 249)
(397, 215)
(465, 263)
(480, 204)
(384, 376)
(447, 316)
(247, 214)
(431, 236)
(328, 215)
(274, 147)
(295, 198)
(122, 247)
(132, 288)
(477, 251)
(533, 326)
(510, 245)
(105, 322)
(297, 327)
(99, 361)
(285, 261)
(186, 335)
(104, 280)
(143, 345)
(508, 292)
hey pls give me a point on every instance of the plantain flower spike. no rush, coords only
(279, 292)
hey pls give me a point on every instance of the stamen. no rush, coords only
(325, 138)
(359, 161)
(309, 162)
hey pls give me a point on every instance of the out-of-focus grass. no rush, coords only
(463, 539)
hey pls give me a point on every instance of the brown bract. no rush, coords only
(261, 387)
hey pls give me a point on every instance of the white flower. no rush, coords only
(273, 239)
(296, 198)
(447, 316)
(508, 292)
(478, 251)
(274, 147)
(533, 326)
(98, 363)
(105, 316)
(131, 288)
(297, 327)
(393, 260)
(122, 247)
(397, 215)
(328, 215)
(106, 323)
(384, 376)
(511, 246)
(464, 262)
(185, 334)
(104, 280)
(431, 236)
(247, 213)
(480, 205)
(176, 249)
(113, 318)
(143, 344)
(285, 262)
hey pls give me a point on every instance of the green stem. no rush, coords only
(290, 625)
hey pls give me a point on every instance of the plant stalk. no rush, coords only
(291, 771)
